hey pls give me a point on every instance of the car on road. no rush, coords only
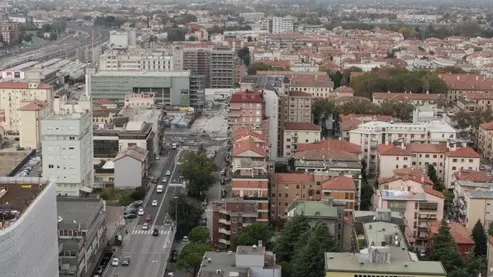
(140, 212)
(148, 218)
(115, 262)
(168, 173)
(157, 158)
(145, 226)
(129, 216)
(155, 232)
(171, 274)
(185, 239)
(154, 203)
(159, 188)
(165, 180)
(126, 261)
(174, 256)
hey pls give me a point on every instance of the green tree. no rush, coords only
(432, 174)
(197, 170)
(366, 197)
(189, 213)
(450, 70)
(475, 265)
(490, 229)
(286, 241)
(254, 67)
(191, 257)
(244, 55)
(321, 109)
(252, 234)
(445, 249)
(139, 193)
(346, 80)
(200, 234)
(337, 78)
(480, 239)
(309, 260)
(359, 106)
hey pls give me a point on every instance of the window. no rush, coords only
(50, 166)
(454, 160)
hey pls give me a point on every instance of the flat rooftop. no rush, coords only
(16, 194)
(223, 261)
(135, 73)
(10, 158)
(79, 210)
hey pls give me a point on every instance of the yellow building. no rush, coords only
(384, 253)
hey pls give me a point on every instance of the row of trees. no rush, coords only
(397, 80)
(321, 108)
(193, 252)
(254, 67)
(445, 250)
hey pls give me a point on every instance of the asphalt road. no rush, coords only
(149, 254)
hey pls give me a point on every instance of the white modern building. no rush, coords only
(252, 16)
(136, 60)
(66, 139)
(279, 25)
(123, 39)
(369, 135)
(28, 228)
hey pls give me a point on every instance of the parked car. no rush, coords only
(140, 212)
(137, 203)
(185, 239)
(129, 216)
(115, 262)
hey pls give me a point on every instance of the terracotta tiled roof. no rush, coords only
(458, 231)
(34, 106)
(429, 190)
(295, 93)
(247, 97)
(405, 96)
(464, 152)
(297, 126)
(104, 101)
(247, 145)
(487, 126)
(292, 178)
(427, 148)
(330, 144)
(467, 82)
(405, 174)
(344, 89)
(339, 183)
(471, 175)
(21, 85)
(392, 150)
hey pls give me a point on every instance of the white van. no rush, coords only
(174, 145)
(159, 188)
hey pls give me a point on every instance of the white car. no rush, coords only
(140, 212)
(168, 173)
(145, 226)
(185, 239)
(115, 262)
(165, 180)
(154, 203)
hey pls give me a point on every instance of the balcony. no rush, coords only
(234, 108)
(224, 221)
(427, 217)
(223, 241)
(224, 231)
(235, 115)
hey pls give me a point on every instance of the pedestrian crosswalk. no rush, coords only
(148, 232)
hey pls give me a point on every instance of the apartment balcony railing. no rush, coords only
(223, 241)
(224, 231)
(224, 221)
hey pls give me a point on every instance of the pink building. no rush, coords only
(246, 108)
(414, 197)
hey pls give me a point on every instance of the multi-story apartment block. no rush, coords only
(415, 198)
(475, 101)
(246, 108)
(10, 32)
(460, 84)
(223, 67)
(387, 255)
(123, 40)
(81, 234)
(342, 189)
(30, 116)
(15, 95)
(485, 140)
(318, 85)
(369, 135)
(352, 121)
(460, 188)
(461, 158)
(296, 106)
(140, 100)
(230, 216)
(136, 61)
(252, 16)
(28, 229)
(391, 157)
(287, 188)
(279, 25)
(477, 204)
(294, 133)
(67, 145)
(417, 99)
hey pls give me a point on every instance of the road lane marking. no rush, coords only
(166, 191)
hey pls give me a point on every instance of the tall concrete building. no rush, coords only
(135, 60)
(67, 145)
(123, 39)
(223, 67)
(28, 227)
(279, 25)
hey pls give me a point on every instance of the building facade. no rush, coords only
(67, 145)
(223, 67)
(131, 167)
(170, 88)
(31, 115)
(279, 25)
(28, 240)
(136, 61)
(246, 108)
(81, 234)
